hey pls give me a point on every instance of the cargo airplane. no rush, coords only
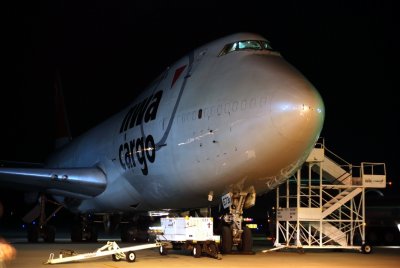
(227, 122)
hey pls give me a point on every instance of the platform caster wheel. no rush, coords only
(366, 249)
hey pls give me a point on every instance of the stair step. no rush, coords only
(331, 232)
(336, 203)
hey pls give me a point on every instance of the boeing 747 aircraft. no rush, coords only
(229, 121)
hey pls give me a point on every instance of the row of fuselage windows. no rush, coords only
(246, 45)
(241, 45)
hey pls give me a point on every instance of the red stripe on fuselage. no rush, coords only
(177, 74)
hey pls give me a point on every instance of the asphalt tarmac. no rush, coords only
(36, 255)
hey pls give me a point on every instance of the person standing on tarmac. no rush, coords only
(7, 251)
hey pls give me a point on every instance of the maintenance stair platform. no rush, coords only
(326, 207)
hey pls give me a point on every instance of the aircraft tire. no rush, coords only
(33, 233)
(49, 234)
(247, 240)
(226, 240)
(76, 233)
(93, 234)
(129, 234)
(213, 251)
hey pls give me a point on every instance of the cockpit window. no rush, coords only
(246, 45)
(266, 45)
(249, 45)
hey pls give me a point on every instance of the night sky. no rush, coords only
(107, 51)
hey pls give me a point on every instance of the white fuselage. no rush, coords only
(209, 123)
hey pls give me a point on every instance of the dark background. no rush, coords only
(107, 51)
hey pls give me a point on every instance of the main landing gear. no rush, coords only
(42, 229)
(83, 228)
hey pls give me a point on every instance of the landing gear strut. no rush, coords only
(233, 233)
(136, 230)
(43, 229)
(84, 229)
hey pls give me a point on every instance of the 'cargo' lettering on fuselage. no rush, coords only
(142, 149)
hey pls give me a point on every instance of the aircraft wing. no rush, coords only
(71, 182)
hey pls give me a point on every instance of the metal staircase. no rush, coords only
(326, 208)
(339, 200)
(333, 172)
(331, 233)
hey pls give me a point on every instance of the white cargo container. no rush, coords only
(191, 233)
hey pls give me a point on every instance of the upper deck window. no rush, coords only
(246, 45)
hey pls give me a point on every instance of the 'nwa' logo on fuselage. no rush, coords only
(141, 148)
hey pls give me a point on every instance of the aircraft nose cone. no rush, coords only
(298, 113)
